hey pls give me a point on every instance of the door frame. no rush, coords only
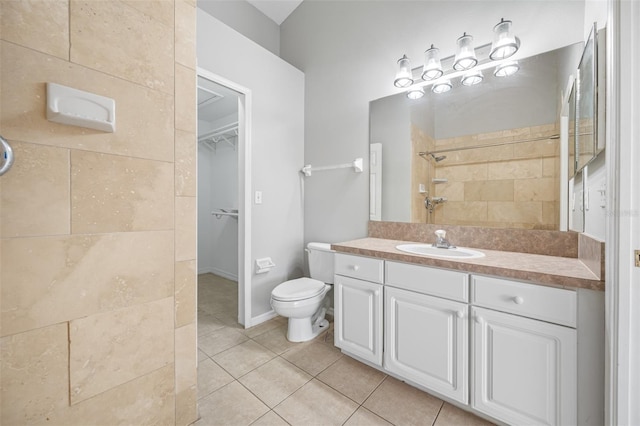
(244, 192)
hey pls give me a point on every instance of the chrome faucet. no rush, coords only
(441, 241)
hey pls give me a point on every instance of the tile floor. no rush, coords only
(257, 377)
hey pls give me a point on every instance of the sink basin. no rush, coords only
(429, 250)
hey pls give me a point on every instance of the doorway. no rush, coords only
(223, 219)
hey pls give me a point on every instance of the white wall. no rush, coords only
(277, 135)
(247, 20)
(351, 61)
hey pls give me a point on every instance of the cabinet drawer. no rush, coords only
(364, 268)
(433, 281)
(535, 301)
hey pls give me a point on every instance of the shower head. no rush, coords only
(438, 159)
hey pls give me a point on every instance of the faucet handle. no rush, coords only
(441, 233)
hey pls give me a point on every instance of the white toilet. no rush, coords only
(303, 300)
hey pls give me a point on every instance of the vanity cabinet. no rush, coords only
(358, 303)
(524, 358)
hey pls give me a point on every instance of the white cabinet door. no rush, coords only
(426, 341)
(358, 318)
(524, 370)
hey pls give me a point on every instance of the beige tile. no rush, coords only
(186, 407)
(450, 415)
(130, 194)
(274, 381)
(112, 348)
(186, 302)
(147, 400)
(314, 401)
(462, 210)
(352, 378)
(38, 25)
(270, 419)
(462, 173)
(185, 95)
(540, 189)
(159, 10)
(313, 357)
(145, 117)
(276, 340)
(522, 211)
(185, 163)
(535, 149)
(211, 377)
(122, 41)
(550, 214)
(489, 190)
(452, 191)
(186, 228)
(257, 330)
(243, 358)
(231, 405)
(186, 358)
(516, 169)
(364, 417)
(54, 279)
(402, 404)
(220, 340)
(35, 194)
(185, 34)
(34, 367)
(550, 167)
(207, 323)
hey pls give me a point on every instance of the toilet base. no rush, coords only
(302, 330)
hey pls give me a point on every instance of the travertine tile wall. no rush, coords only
(98, 230)
(508, 186)
(420, 173)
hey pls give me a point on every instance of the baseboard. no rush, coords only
(262, 318)
(216, 271)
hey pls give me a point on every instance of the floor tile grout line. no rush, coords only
(435, 420)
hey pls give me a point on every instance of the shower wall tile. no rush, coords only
(186, 163)
(160, 10)
(34, 199)
(39, 25)
(491, 190)
(186, 302)
(452, 191)
(467, 172)
(101, 34)
(34, 367)
(186, 228)
(185, 34)
(540, 189)
(146, 400)
(186, 375)
(185, 99)
(515, 169)
(145, 118)
(464, 210)
(53, 279)
(523, 211)
(131, 195)
(112, 348)
(551, 167)
(543, 148)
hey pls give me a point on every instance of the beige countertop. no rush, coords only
(554, 271)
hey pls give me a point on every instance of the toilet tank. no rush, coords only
(321, 262)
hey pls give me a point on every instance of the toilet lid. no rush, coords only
(302, 288)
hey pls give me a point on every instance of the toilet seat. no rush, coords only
(298, 289)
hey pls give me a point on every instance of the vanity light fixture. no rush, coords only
(442, 86)
(471, 78)
(404, 77)
(506, 69)
(505, 44)
(432, 66)
(465, 54)
(415, 93)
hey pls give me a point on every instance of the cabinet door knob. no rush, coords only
(518, 300)
(356, 267)
(479, 319)
(460, 314)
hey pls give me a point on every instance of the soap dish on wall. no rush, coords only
(66, 105)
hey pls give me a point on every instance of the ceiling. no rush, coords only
(277, 10)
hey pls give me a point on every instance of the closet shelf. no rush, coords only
(227, 133)
(225, 212)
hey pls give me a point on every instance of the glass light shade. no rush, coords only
(442, 87)
(432, 66)
(415, 93)
(404, 77)
(472, 78)
(465, 54)
(506, 69)
(505, 44)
